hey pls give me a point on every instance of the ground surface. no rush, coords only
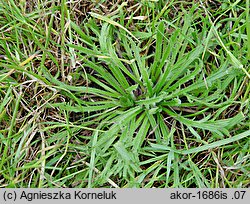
(124, 93)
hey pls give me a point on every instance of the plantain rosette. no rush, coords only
(155, 98)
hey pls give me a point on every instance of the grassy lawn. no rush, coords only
(124, 93)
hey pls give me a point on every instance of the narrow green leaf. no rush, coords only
(110, 21)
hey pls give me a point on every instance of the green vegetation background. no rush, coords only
(124, 93)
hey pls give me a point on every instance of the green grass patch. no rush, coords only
(141, 94)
